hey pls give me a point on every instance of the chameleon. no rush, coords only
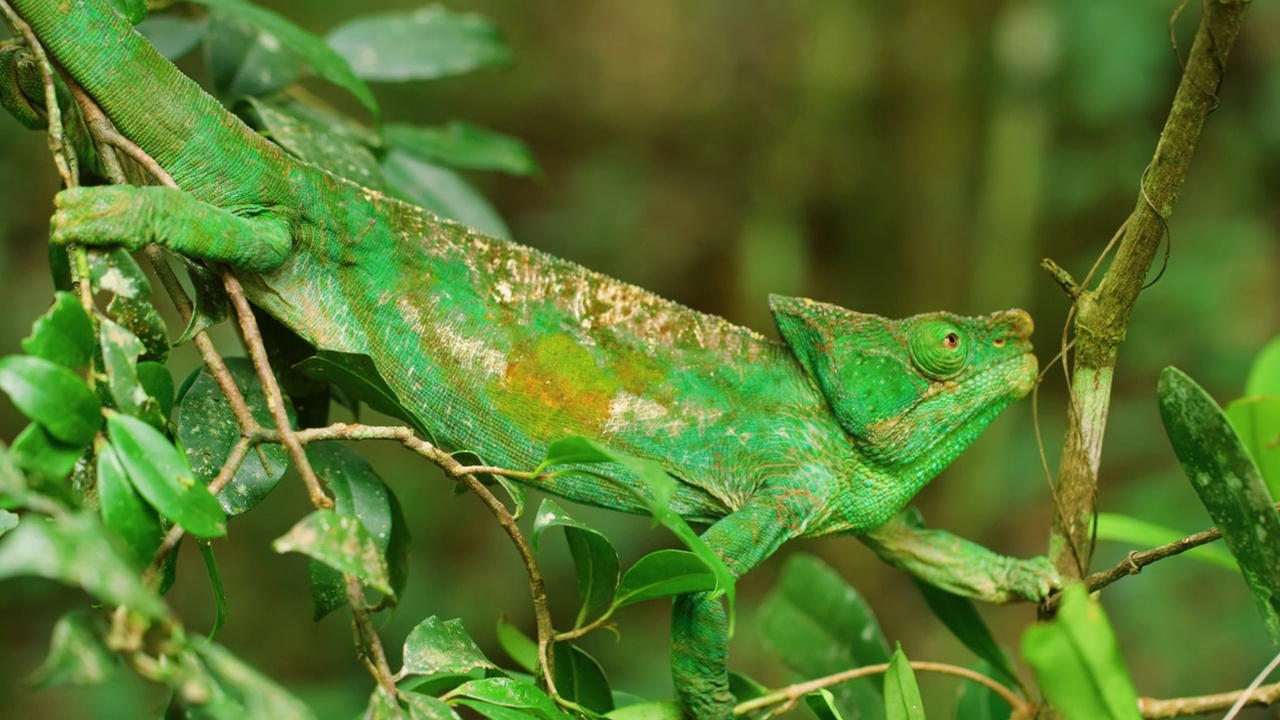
(499, 349)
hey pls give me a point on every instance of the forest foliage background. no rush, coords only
(890, 158)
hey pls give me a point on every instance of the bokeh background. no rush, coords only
(893, 158)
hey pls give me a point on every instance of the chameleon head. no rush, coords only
(911, 393)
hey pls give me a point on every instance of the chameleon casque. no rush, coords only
(500, 349)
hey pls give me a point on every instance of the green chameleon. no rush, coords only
(499, 349)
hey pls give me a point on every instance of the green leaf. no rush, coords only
(323, 60)
(359, 493)
(424, 44)
(1228, 484)
(124, 512)
(580, 679)
(219, 595)
(1077, 662)
(1133, 531)
(360, 381)
(463, 145)
(425, 707)
(8, 521)
(53, 396)
(1256, 420)
(75, 550)
(505, 692)
(43, 455)
(341, 542)
(208, 430)
(664, 573)
(257, 694)
(13, 485)
(158, 383)
(212, 304)
(821, 625)
(1264, 376)
(161, 474)
(652, 710)
(441, 191)
(518, 646)
(823, 704)
(978, 702)
(77, 653)
(963, 620)
(120, 351)
(901, 694)
(63, 335)
(173, 36)
(135, 11)
(745, 688)
(594, 558)
(320, 142)
(574, 450)
(115, 271)
(436, 647)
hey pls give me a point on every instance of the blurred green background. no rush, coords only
(893, 158)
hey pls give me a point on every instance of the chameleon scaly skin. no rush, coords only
(499, 349)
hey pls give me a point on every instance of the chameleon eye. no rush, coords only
(938, 349)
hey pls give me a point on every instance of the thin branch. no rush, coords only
(788, 696)
(1202, 704)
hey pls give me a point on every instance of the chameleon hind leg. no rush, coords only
(135, 216)
(700, 625)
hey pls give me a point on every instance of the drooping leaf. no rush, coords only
(901, 694)
(821, 625)
(208, 430)
(442, 191)
(509, 693)
(518, 646)
(1229, 486)
(115, 271)
(158, 383)
(979, 702)
(341, 542)
(53, 396)
(463, 145)
(823, 704)
(212, 305)
(123, 511)
(580, 678)
(215, 582)
(77, 653)
(357, 377)
(320, 57)
(435, 646)
(1142, 533)
(161, 475)
(173, 36)
(43, 455)
(423, 44)
(1077, 662)
(594, 558)
(75, 550)
(963, 620)
(664, 573)
(63, 335)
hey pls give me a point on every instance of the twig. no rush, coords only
(789, 695)
(1201, 704)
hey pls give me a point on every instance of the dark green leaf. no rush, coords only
(124, 512)
(963, 620)
(158, 383)
(212, 304)
(505, 692)
(580, 679)
(978, 702)
(172, 35)
(115, 271)
(244, 61)
(594, 558)
(518, 646)
(441, 191)
(63, 335)
(219, 595)
(257, 694)
(74, 549)
(424, 44)
(77, 653)
(823, 704)
(318, 143)
(901, 694)
(359, 379)
(53, 396)
(43, 455)
(341, 542)
(1132, 531)
(358, 492)
(209, 430)
(745, 688)
(1228, 484)
(463, 145)
(323, 60)
(820, 625)
(436, 646)
(662, 574)
(162, 476)
(1077, 662)
(120, 351)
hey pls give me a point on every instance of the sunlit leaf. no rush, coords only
(425, 707)
(341, 542)
(120, 351)
(1229, 486)
(63, 335)
(1077, 662)
(423, 44)
(652, 710)
(161, 475)
(53, 396)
